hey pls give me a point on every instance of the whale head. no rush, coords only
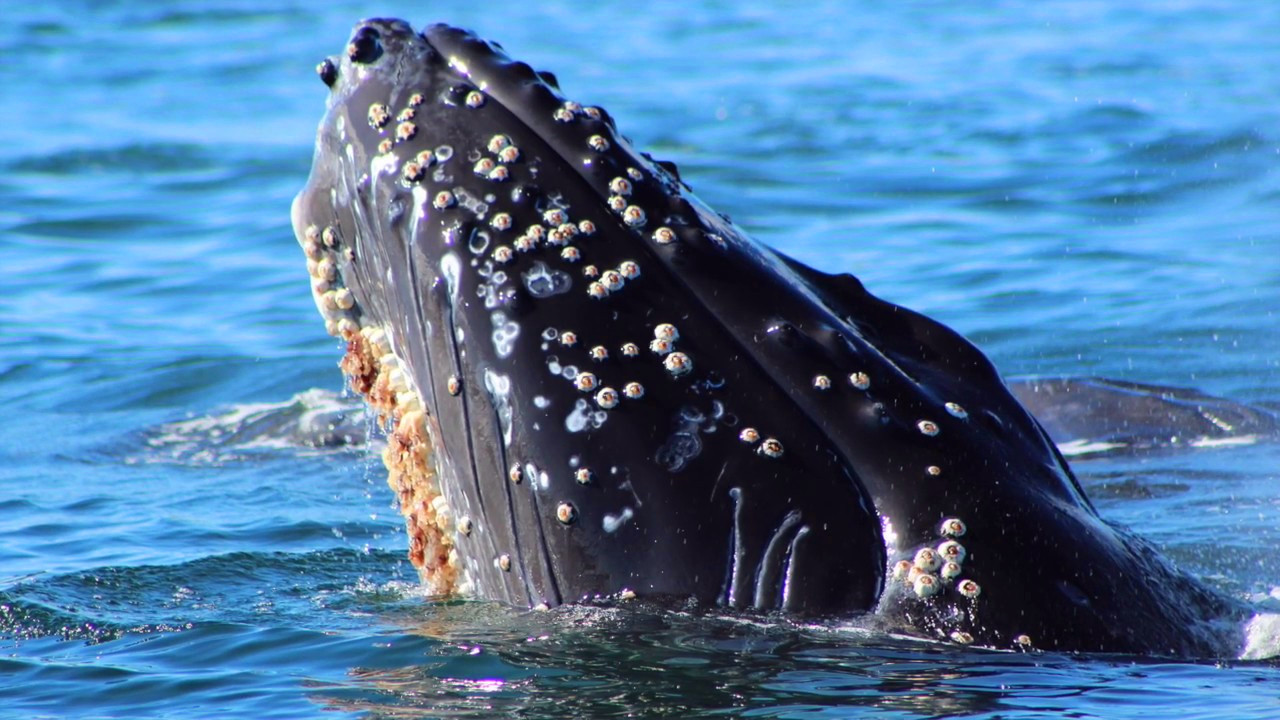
(595, 385)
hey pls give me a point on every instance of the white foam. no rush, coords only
(1261, 637)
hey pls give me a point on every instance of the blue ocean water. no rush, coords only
(1082, 188)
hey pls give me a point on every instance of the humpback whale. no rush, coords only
(595, 386)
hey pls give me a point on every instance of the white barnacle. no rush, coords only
(343, 298)
(952, 550)
(475, 99)
(562, 114)
(952, 527)
(516, 474)
(634, 216)
(664, 235)
(616, 203)
(928, 427)
(770, 448)
(591, 271)
(499, 174)
(612, 280)
(956, 410)
(585, 381)
(598, 143)
(950, 570)
(677, 363)
(860, 380)
(630, 349)
(749, 435)
(586, 227)
(629, 269)
(593, 112)
(666, 331)
(571, 254)
(501, 221)
(524, 243)
(597, 290)
(555, 217)
(660, 347)
(566, 513)
(925, 585)
(483, 166)
(503, 254)
(508, 154)
(583, 476)
(498, 142)
(933, 470)
(568, 338)
(599, 352)
(607, 398)
(927, 559)
(464, 525)
(620, 186)
(633, 390)
(405, 131)
(821, 382)
(635, 174)
(503, 562)
(961, 637)
(453, 385)
(968, 588)
(901, 569)
(443, 199)
(379, 114)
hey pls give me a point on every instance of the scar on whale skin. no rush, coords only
(760, 435)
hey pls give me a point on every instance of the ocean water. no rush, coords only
(1082, 188)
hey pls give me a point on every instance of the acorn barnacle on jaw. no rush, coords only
(770, 448)
(620, 186)
(666, 331)
(498, 142)
(405, 131)
(952, 527)
(415, 100)
(501, 221)
(629, 269)
(749, 435)
(617, 203)
(499, 174)
(821, 382)
(927, 559)
(598, 143)
(566, 513)
(597, 290)
(443, 199)
(635, 174)
(612, 280)
(952, 550)
(515, 474)
(968, 588)
(630, 349)
(503, 562)
(599, 352)
(475, 99)
(607, 398)
(509, 154)
(555, 217)
(634, 216)
(571, 254)
(583, 476)
(385, 146)
(956, 410)
(568, 338)
(483, 166)
(585, 381)
(660, 346)
(586, 227)
(677, 363)
(406, 115)
(633, 390)
(453, 385)
(503, 254)
(379, 114)
(860, 380)
(925, 585)
(664, 236)
(412, 172)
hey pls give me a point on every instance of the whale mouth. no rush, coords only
(594, 385)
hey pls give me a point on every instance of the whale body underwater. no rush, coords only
(597, 387)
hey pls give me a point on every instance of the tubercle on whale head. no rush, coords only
(597, 385)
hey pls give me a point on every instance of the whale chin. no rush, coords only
(596, 386)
